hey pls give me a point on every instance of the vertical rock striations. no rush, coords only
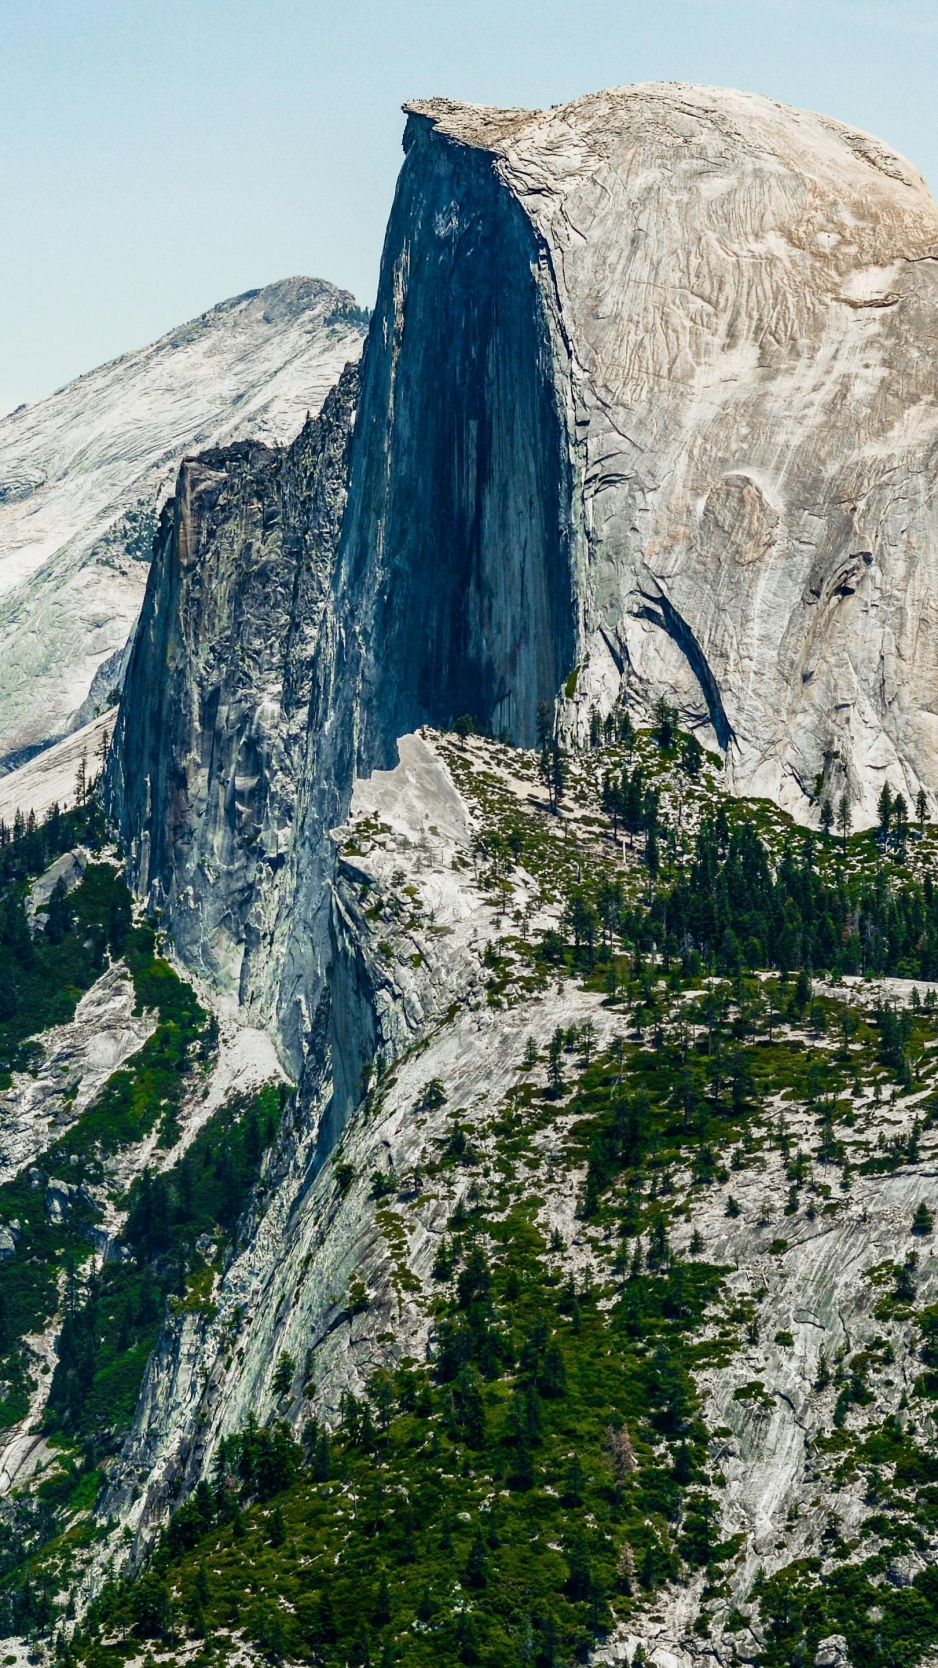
(648, 393)
(746, 297)
(460, 543)
(211, 733)
(648, 398)
(83, 475)
(455, 588)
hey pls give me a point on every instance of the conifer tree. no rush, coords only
(884, 812)
(844, 819)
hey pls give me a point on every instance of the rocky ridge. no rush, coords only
(210, 741)
(85, 472)
(616, 507)
(735, 302)
(620, 500)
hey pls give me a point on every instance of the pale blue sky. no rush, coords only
(159, 155)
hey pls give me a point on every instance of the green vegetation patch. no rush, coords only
(548, 1473)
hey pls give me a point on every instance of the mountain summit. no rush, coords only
(718, 312)
(83, 474)
(499, 1231)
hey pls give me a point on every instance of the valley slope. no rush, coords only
(578, 1294)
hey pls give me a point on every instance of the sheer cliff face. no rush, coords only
(747, 300)
(649, 391)
(212, 728)
(459, 546)
(83, 475)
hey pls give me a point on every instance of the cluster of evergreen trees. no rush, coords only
(735, 907)
(736, 912)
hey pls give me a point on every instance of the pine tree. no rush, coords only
(573, 1492)
(625, 1571)
(477, 1566)
(382, 1611)
(844, 819)
(884, 812)
(555, 1062)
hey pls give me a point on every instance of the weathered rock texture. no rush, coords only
(211, 734)
(649, 391)
(83, 475)
(412, 971)
(730, 307)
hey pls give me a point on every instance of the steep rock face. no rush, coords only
(338, 1275)
(211, 733)
(611, 406)
(648, 394)
(745, 296)
(83, 475)
(459, 548)
(455, 589)
(408, 838)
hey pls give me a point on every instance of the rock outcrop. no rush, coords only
(83, 475)
(730, 306)
(647, 408)
(654, 368)
(211, 735)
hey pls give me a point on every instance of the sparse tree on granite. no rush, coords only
(586, 1042)
(884, 812)
(844, 819)
(555, 1061)
(923, 1221)
(900, 817)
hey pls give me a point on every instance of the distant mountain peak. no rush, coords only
(84, 471)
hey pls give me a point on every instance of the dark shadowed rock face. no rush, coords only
(211, 733)
(746, 296)
(647, 392)
(458, 546)
(455, 590)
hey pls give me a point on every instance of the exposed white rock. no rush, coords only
(84, 472)
(342, 1282)
(744, 299)
(23, 1448)
(51, 778)
(76, 1060)
(67, 871)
